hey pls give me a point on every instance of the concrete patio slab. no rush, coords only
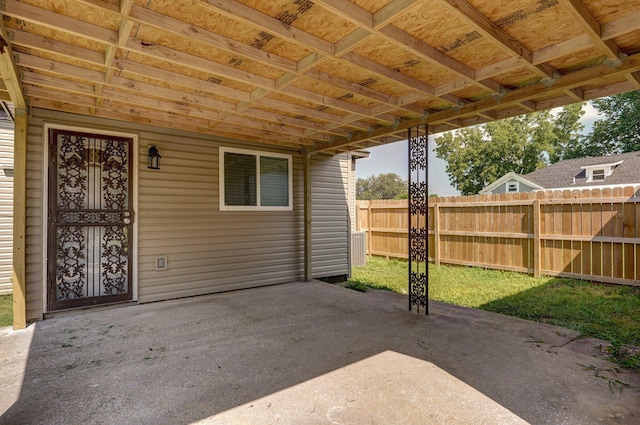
(304, 353)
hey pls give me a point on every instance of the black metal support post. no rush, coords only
(418, 218)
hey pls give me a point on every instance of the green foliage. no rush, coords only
(567, 137)
(6, 310)
(610, 312)
(382, 186)
(618, 131)
(478, 156)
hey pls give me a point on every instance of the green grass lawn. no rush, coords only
(6, 310)
(610, 312)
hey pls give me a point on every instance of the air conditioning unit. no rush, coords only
(358, 248)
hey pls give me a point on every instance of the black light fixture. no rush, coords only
(154, 158)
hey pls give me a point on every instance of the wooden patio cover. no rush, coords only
(321, 75)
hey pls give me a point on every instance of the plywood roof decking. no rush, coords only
(316, 75)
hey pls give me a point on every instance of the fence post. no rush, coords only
(436, 232)
(369, 232)
(536, 238)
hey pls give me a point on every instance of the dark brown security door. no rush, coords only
(90, 219)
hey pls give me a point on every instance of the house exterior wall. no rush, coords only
(178, 216)
(352, 192)
(6, 206)
(330, 215)
(503, 187)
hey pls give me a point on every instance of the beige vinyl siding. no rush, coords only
(6, 206)
(352, 192)
(209, 250)
(34, 216)
(178, 215)
(330, 215)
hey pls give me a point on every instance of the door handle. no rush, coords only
(127, 216)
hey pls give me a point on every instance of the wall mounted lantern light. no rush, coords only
(154, 158)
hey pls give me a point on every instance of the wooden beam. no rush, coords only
(622, 26)
(515, 97)
(190, 61)
(261, 21)
(179, 97)
(591, 26)
(224, 71)
(189, 31)
(463, 10)
(392, 11)
(44, 44)
(123, 35)
(8, 71)
(562, 49)
(617, 28)
(149, 107)
(133, 115)
(18, 277)
(367, 26)
(57, 21)
(350, 86)
(576, 93)
(405, 80)
(634, 79)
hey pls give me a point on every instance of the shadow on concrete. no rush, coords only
(183, 361)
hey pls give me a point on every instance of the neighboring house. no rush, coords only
(596, 172)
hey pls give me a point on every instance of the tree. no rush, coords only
(619, 130)
(477, 156)
(382, 186)
(567, 133)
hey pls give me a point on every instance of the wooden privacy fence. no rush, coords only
(587, 234)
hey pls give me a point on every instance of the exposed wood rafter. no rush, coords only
(267, 72)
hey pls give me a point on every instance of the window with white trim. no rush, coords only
(598, 174)
(254, 180)
(513, 187)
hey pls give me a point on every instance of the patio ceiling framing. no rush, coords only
(322, 75)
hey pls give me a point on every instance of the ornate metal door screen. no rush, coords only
(418, 213)
(90, 219)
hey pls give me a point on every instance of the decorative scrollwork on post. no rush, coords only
(418, 213)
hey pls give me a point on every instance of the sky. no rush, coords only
(393, 158)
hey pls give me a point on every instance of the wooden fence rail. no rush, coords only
(589, 234)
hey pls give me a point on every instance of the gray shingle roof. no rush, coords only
(562, 173)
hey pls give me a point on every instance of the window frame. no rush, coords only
(258, 154)
(600, 177)
(516, 184)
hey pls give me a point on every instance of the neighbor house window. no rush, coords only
(598, 174)
(254, 180)
(513, 187)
